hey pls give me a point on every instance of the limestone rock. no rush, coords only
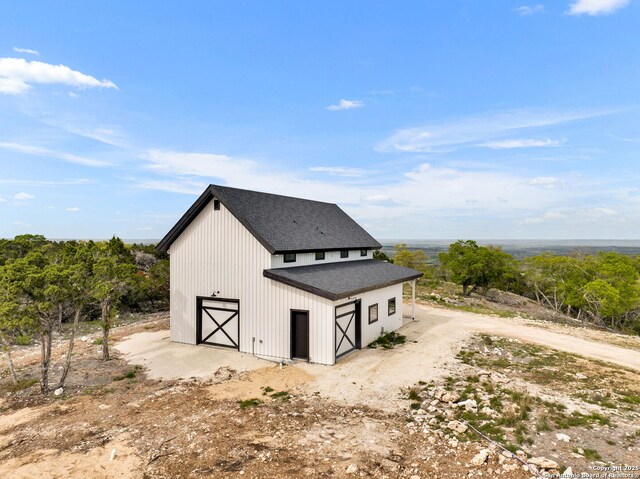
(499, 378)
(58, 392)
(469, 405)
(450, 396)
(480, 458)
(563, 437)
(352, 469)
(543, 463)
(457, 426)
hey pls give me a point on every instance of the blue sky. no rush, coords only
(425, 119)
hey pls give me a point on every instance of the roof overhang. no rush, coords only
(341, 280)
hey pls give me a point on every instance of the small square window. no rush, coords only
(363, 252)
(216, 204)
(319, 255)
(344, 253)
(289, 257)
(373, 313)
(392, 306)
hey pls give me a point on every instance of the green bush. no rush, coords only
(23, 340)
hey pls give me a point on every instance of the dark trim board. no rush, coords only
(220, 326)
(353, 315)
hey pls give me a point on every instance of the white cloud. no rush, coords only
(603, 212)
(477, 129)
(346, 105)
(26, 50)
(79, 181)
(338, 171)
(526, 10)
(197, 164)
(546, 181)
(73, 209)
(40, 151)
(596, 7)
(378, 198)
(520, 143)
(23, 196)
(17, 76)
(172, 186)
(2, 200)
(548, 217)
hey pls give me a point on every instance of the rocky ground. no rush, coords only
(553, 409)
(557, 411)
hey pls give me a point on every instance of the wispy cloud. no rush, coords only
(182, 186)
(73, 209)
(17, 76)
(526, 10)
(40, 151)
(197, 164)
(377, 198)
(26, 50)
(346, 105)
(109, 135)
(545, 181)
(79, 181)
(596, 7)
(477, 129)
(22, 196)
(520, 143)
(547, 217)
(339, 171)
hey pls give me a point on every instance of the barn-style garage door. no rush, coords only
(218, 322)
(347, 328)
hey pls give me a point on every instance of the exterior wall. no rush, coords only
(305, 259)
(217, 253)
(380, 296)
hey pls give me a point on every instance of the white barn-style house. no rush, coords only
(279, 277)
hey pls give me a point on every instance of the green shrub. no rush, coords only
(388, 340)
(413, 395)
(247, 403)
(21, 386)
(23, 340)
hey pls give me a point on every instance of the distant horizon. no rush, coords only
(435, 241)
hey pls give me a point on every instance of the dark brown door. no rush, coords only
(300, 334)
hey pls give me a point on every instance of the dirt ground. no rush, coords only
(355, 419)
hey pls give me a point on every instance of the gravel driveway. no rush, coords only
(375, 376)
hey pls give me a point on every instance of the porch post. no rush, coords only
(413, 300)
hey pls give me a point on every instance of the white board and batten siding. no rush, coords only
(370, 332)
(306, 259)
(217, 253)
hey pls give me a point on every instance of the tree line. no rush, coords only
(602, 289)
(44, 284)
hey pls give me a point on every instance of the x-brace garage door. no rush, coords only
(347, 328)
(218, 322)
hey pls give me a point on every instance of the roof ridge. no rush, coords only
(212, 185)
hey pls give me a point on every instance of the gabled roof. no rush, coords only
(281, 223)
(340, 280)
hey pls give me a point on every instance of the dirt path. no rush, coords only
(374, 377)
(559, 338)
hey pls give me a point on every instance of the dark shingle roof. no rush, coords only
(282, 223)
(343, 279)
